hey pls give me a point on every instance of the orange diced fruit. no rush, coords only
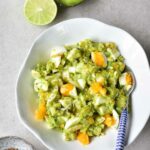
(109, 120)
(83, 138)
(66, 89)
(99, 59)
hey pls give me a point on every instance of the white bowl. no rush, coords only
(72, 31)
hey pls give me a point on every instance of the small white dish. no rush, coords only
(72, 31)
(13, 142)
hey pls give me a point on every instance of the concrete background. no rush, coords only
(16, 36)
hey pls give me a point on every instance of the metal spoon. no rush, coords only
(120, 142)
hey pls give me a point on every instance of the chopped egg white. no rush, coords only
(72, 122)
(56, 60)
(113, 53)
(57, 51)
(56, 54)
(72, 69)
(82, 83)
(65, 75)
(65, 103)
(73, 92)
(35, 74)
(100, 79)
(122, 79)
(116, 117)
(98, 100)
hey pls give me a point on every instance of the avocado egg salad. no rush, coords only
(82, 89)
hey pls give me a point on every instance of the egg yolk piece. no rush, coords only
(129, 79)
(66, 89)
(95, 87)
(83, 138)
(99, 59)
(41, 111)
(98, 88)
(109, 120)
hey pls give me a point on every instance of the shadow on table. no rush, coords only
(141, 139)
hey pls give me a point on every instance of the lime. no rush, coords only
(69, 2)
(40, 12)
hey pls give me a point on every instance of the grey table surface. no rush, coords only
(16, 36)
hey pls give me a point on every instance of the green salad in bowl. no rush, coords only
(82, 89)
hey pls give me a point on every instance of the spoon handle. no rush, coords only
(120, 143)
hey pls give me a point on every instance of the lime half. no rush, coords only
(40, 12)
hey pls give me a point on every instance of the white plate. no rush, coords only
(72, 31)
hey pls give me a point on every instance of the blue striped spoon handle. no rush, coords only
(120, 143)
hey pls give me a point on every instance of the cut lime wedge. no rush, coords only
(40, 12)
